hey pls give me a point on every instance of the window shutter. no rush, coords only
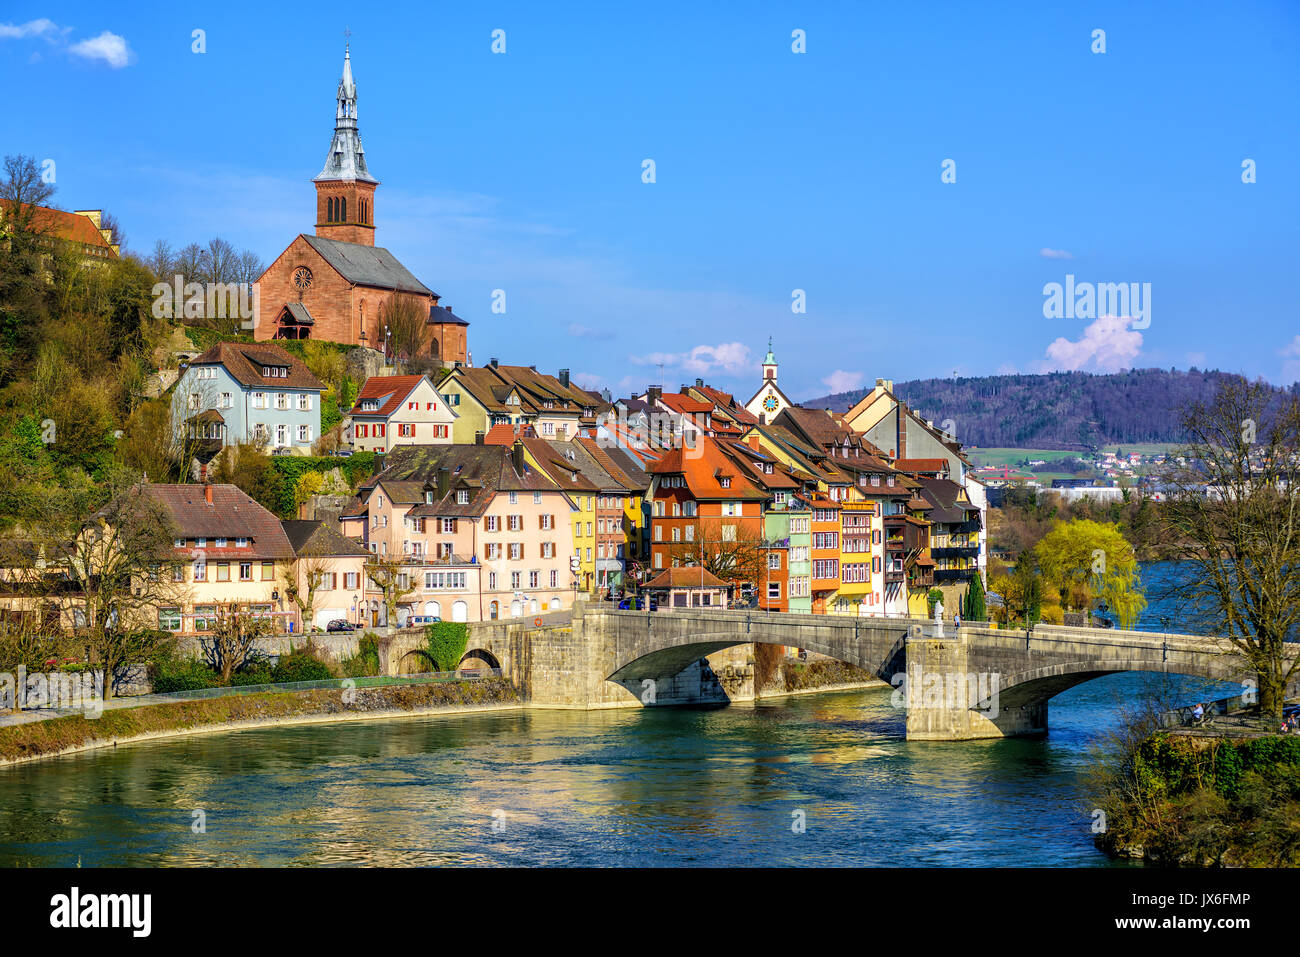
(487, 551)
(541, 521)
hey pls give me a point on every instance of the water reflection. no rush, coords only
(640, 787)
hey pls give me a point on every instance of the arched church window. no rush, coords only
(343, 210)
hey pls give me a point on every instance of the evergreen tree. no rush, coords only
(975, 608)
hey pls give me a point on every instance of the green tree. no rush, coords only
(1087, 561)
(975, 607)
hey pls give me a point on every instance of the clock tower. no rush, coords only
(769, 400)
(345, 190)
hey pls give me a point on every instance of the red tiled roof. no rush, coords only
(921, 465)
(71, 227)
(685, 404)
(392, 389)
(683, 576)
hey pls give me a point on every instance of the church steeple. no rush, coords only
(769, 363)
(344, 188)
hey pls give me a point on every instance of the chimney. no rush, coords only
(478, 438)
(564, 378)
(207, 494)
(492, 362)
(517, 457)
(444, 480)
(699, 383)
(653, 393)
(753, 443)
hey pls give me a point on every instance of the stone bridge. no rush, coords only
(976, 682)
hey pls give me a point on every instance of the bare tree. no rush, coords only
(388, 577)
(1235, 507)
(733, 551)
(162, 261)
(234, 641)
(406, 320)
(303, 578)
(21, 191)
(108, 221)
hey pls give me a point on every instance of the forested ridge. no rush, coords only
(1058, 410)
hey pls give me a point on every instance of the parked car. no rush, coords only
(638, 604)
(338, 624)
(342, 453)
(422, 619)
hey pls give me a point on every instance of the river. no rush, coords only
(626, 787)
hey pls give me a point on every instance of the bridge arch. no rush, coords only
(1039, 685)
(478, 655)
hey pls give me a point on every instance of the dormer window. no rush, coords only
(462, 497)
(369, 405)
(725, 482)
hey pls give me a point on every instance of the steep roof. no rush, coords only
(246, 360)
(231, 515)
(440, 314)
(390, 391)
(624, 467)
(312, 539)
(946, 498)
(704, 467)
(685, 576)
(372, 266)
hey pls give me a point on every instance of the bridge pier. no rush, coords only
(949, 700)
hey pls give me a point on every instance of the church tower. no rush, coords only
(345, 190)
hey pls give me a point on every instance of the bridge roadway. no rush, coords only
(972, 682)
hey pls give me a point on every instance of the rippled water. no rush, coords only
(634, 787)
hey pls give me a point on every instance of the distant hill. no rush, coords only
(1059, 410)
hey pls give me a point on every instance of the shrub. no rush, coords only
(257, 673)
(168, 674)
(301, 664)
(447, 641)
(365, 663)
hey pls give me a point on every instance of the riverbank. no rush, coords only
(72, 734)
(1204, 800)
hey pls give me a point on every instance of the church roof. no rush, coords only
(371, 266)
(438, 314)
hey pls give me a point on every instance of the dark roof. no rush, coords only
(944, 494)
(246, 360)
(363, 265)
(446, 316)
(482, 470)
(232, 515)
(300, 313)
(319, 539)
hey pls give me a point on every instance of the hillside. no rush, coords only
(1059, 410)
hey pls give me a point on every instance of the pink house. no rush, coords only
(480, 533)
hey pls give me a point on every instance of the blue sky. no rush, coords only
(775, 171)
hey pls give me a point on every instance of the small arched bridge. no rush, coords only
(973, 682)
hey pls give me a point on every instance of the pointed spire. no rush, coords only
(346, 160)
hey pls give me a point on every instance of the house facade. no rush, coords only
(247, 393)
(399, 410)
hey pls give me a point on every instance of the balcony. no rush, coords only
(944, 576)
(955, 551)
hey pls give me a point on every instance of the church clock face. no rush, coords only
(770, 403)
(302, 278)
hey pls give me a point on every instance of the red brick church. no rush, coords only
(334, 285)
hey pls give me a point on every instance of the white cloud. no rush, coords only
(1197, 359)
(841, 381)
(1048, 253)
(1291, 367)
(589, 381)
(109, 47)
(1108, 345)
(579, 331)
(32, 28)
(730, 358)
